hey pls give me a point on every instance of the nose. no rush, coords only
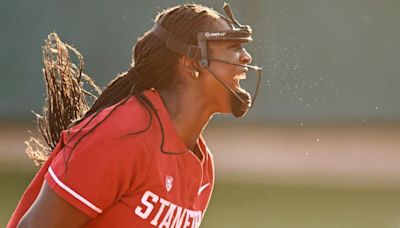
(245, 57)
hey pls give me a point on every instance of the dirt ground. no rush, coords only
(328, 154)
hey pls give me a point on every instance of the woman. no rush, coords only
(137, 157)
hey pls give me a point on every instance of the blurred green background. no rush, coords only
(320, 148)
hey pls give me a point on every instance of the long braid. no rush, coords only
(66, 100)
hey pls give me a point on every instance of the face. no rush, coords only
(220, 98)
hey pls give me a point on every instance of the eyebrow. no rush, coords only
(234, 44)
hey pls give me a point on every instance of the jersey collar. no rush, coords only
(172, 143)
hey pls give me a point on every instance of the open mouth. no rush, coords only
(242, 92)
(237, 79)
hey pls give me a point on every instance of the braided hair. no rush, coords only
(153, 66)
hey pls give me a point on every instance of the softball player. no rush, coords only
(137, 157)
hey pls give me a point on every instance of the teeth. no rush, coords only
(240, 77)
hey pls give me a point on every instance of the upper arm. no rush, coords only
(97, 172)
(50, 210)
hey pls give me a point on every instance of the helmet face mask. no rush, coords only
(199, 52)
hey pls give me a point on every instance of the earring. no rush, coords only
(195, 73)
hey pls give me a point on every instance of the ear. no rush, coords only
(188, 64)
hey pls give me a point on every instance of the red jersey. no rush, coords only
(123, 179)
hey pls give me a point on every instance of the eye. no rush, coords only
(235, 46)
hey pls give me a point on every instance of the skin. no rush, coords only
(190, 104)
(50, 210)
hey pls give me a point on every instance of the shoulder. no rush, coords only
(115, 121)
(120, 131)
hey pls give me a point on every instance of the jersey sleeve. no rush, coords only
(94, 174)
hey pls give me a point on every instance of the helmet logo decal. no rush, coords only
(214, 34)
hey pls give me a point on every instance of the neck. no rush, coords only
(188, 114)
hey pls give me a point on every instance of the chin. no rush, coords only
(238, 108)
(239, 114)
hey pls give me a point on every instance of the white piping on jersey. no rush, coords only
(73, 193)
(202, 188)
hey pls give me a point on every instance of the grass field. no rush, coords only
(237, 204)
